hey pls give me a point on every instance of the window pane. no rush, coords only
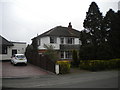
(70, 40)
(62, 40)
(68, 54)
(4, 50)
(73, 41)
(52, 39)
(62, 54)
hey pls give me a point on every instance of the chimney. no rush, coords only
(70, 26)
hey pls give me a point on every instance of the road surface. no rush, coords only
(102, 79)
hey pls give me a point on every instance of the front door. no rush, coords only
(14, 51)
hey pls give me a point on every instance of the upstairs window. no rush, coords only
(53, 40)
(69, 40)
(62, 40)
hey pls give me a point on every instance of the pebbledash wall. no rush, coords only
(19, 47)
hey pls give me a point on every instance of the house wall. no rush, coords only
(20, 50)
(6, 56)
(46, 40)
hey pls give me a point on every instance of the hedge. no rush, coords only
(97, 65)
(64, 66)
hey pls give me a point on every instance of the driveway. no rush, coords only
(9, 70)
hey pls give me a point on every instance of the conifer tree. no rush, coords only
(93, 23)
(112, 22)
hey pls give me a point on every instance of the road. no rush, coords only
(102, 79)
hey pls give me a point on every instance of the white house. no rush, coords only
(63, 39)
(7, 48)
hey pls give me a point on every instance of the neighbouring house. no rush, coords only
(8, 48)
(63, 39)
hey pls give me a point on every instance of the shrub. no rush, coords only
(64, 66)
(53, 55)
(97, 65)
(75, 62)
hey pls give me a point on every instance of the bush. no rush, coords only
(64, 66)
(75, 62)
(97, 65)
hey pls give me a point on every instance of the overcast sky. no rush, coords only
(21, 20)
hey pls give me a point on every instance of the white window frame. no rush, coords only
(54, 39)
(66, 54)
(62, 40)
(70, 40)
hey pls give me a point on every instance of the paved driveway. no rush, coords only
(9, 70)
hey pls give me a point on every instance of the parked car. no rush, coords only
(18, 58)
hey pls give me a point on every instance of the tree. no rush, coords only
(34, 44)
(101, 36)
(112, 26)
(84, 37)
(93, 23)
(51, 52)
(91, 37)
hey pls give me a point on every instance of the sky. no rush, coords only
(22, 20)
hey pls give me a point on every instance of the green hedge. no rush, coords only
(97, 65)
(64, 67)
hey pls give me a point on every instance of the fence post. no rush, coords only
(57, 68)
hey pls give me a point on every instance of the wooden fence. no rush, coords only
(42, 61)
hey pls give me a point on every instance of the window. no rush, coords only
(68, 54)
(4, 49)
(62, 40)
(53, 40)
(70, 40)
(39, 42)
(62, 54)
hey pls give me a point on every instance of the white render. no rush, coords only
(17, 45)
(46, 40)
